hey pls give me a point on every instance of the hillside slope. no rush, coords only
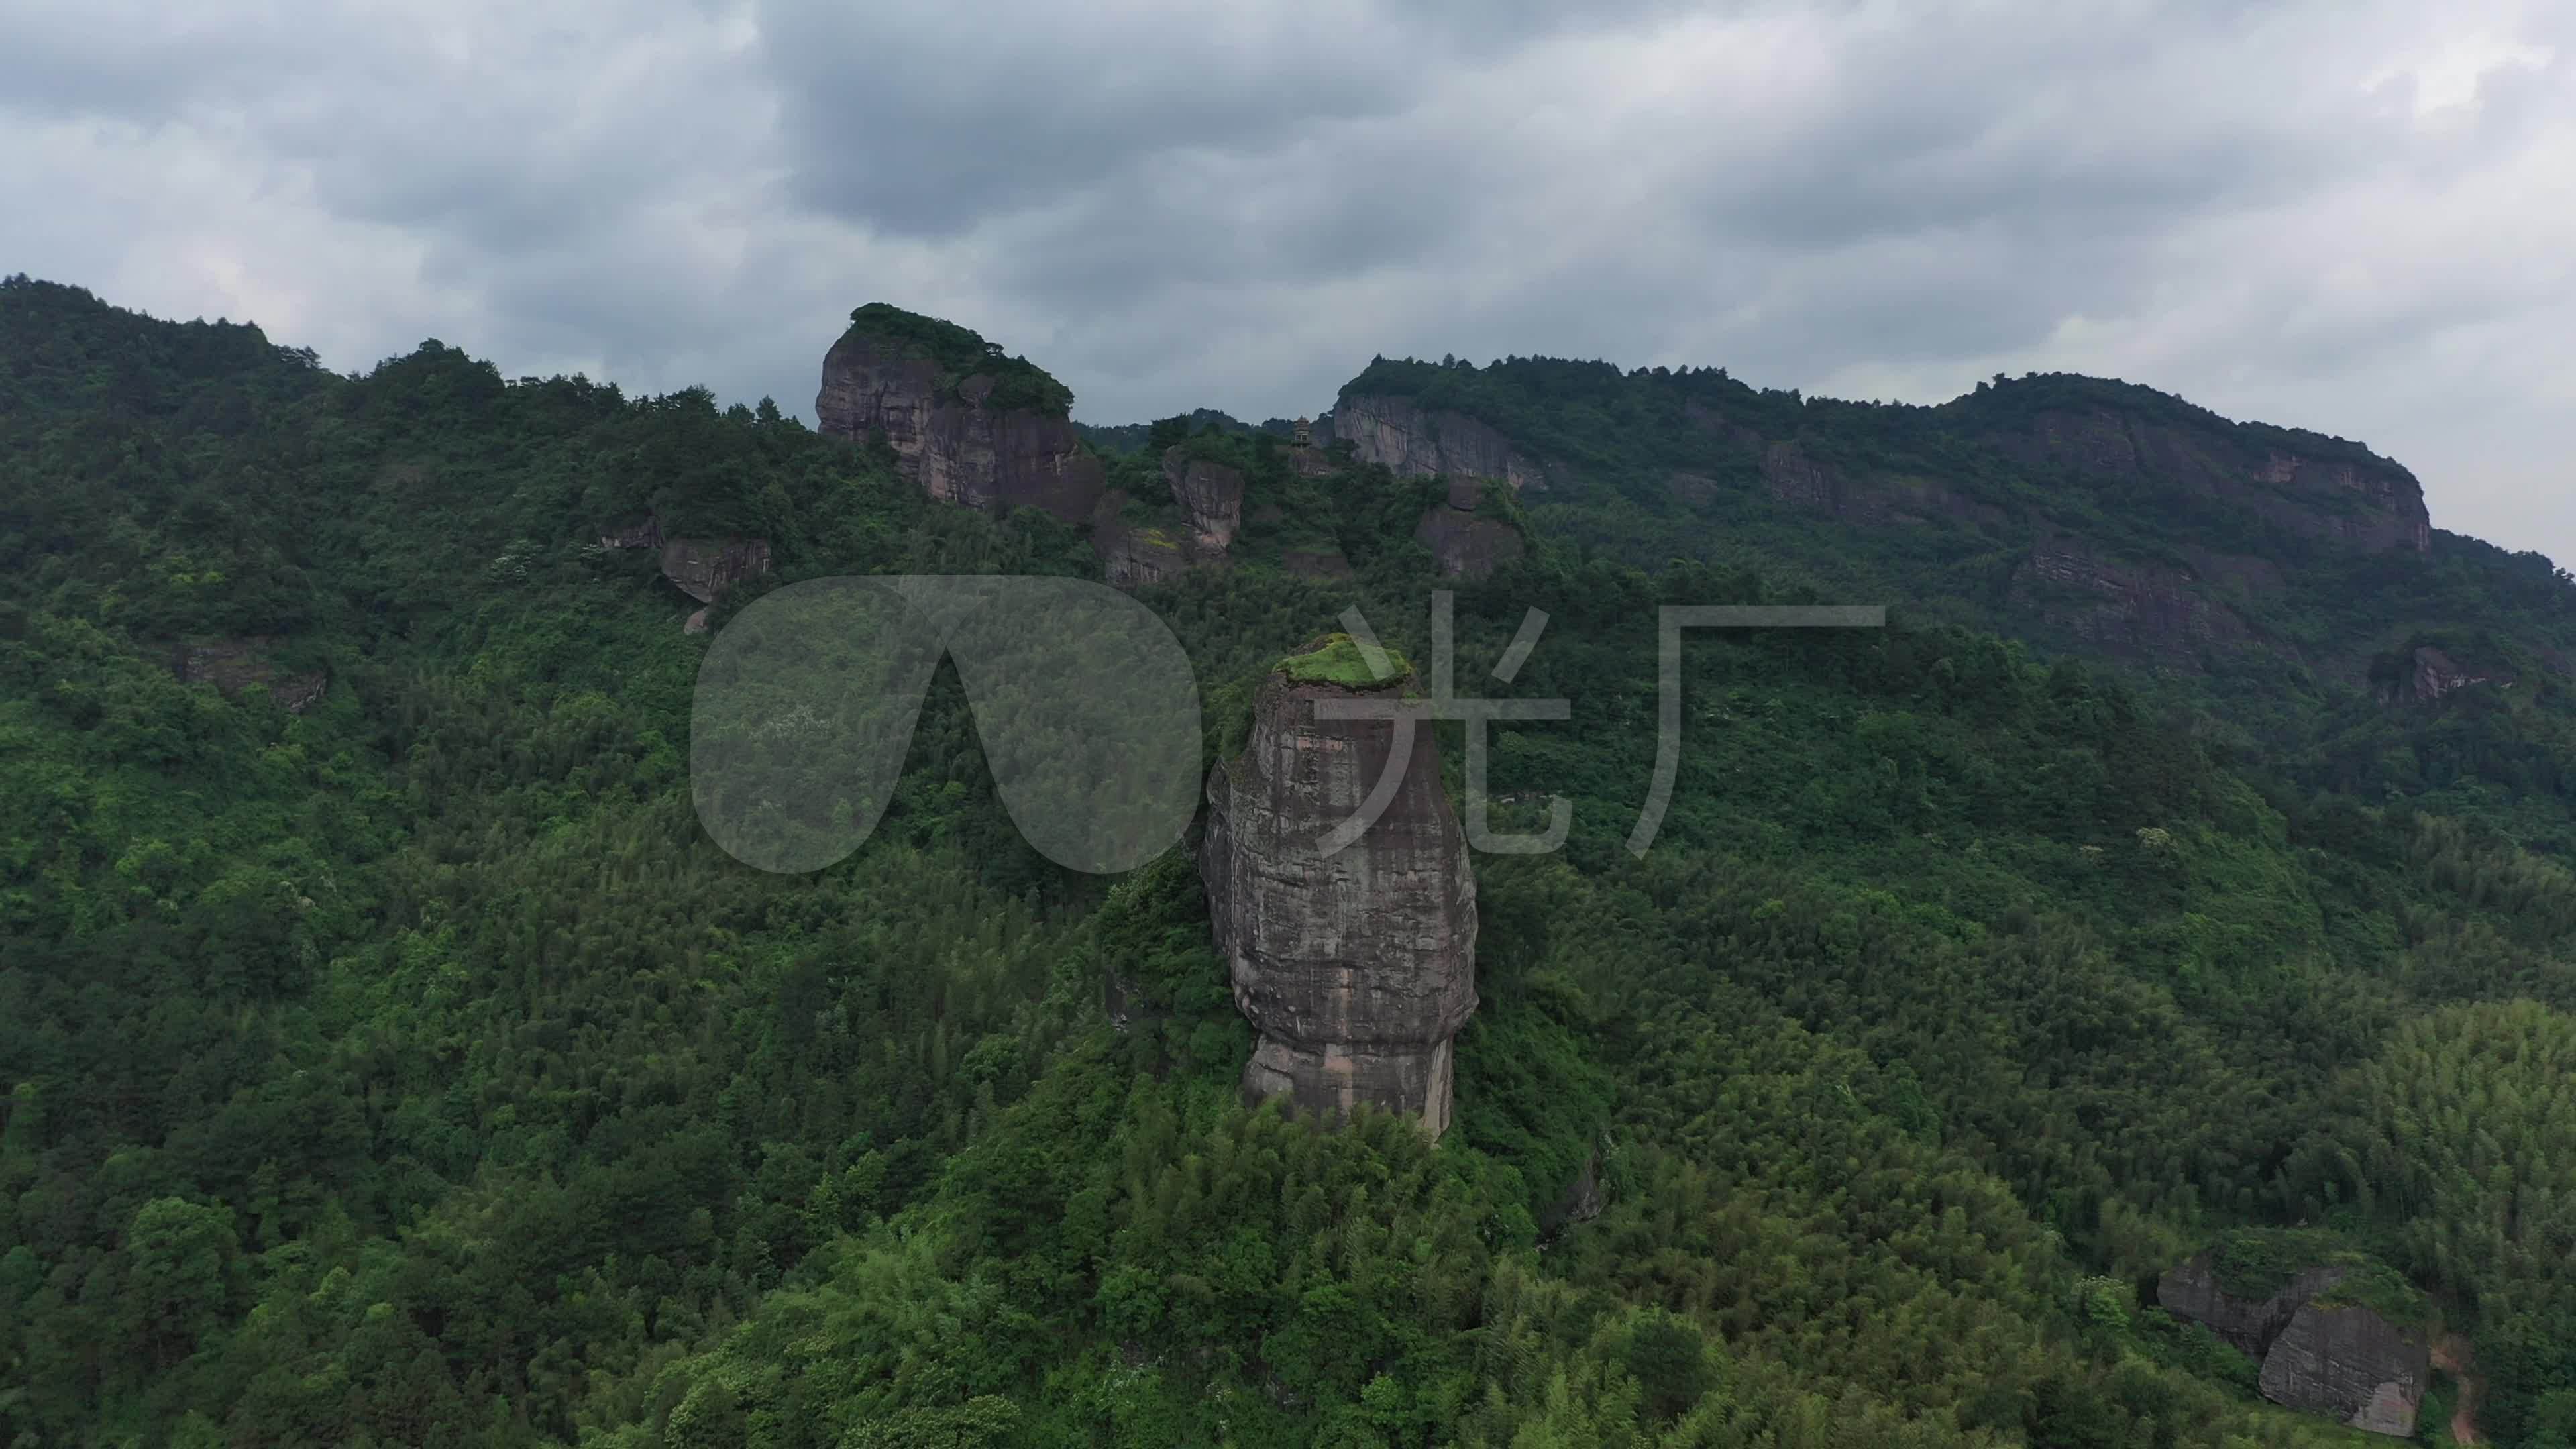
(397, 1060)
(2288, 586)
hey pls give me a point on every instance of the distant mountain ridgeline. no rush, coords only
(2286, 586)
(1138, 437)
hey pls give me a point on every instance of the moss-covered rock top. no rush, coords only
(1338, 660)
(961, 353)
(2259, 1262)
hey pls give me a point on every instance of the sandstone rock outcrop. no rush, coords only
(2362, 502)
(1133, 555)
(2339, 1359)
(2138, 609)
(1466, 545)
(1356, 968)
(2191, 1290)
(1795, 477)
(2432, 673)
(232, 665)
(705, 568)
(1210, 495)
(950, 431)
(702, 568)
(1396, 431)
(2350, 1363)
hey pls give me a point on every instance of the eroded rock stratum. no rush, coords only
(2318, 1353)
(965, 423)
(1357, 968)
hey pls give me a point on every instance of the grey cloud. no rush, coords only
(1172, 205)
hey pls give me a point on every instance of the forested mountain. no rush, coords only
(392, 1058)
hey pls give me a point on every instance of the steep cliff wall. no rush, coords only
(2191, 1290)
(2137, 609)
(2429, 673)
(960, 437)
(1795, 477)
(2361, 502)
(1210, 497)
(702, 568)
(1356, 969)
(2335, 1358)
(1466, 544)
(1134, 555)
(2352, 1364)
(1397, 432)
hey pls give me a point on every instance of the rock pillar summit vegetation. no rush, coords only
(1356, 967)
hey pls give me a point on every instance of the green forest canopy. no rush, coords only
(412, 1070)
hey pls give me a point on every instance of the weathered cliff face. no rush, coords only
(955, 447)
(2344, 1360)
(705, 568)
(1794, 477)
(2433, 673)
(1466, 545)
(2372, 505)
(702, 568)
(1210, 495)
(2142, 610)
(2190, 1290)
(1411, 442)
(232, 665)
(1134, 555)
(2351, 1364)
(1355, 969)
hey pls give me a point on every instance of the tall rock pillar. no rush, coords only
(1357, 968)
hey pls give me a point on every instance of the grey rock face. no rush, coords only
(1210, 494)
(956, 448)
(1466, 545)
(2190, 1290)
(2435, 674)
(2371, 505)
(702, 568)
(1397, 432)
(1356, 970)
(2352, 1364)
(705, 568)
(2344, 1361)
(1796, 478)
(2131, 608)
(1132, 556)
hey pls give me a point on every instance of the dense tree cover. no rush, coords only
(415, 1070)
(1162, 433)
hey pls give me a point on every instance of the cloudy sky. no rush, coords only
(2352, 215)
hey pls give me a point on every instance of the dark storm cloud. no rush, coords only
(2350, 214)
(922, 117)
